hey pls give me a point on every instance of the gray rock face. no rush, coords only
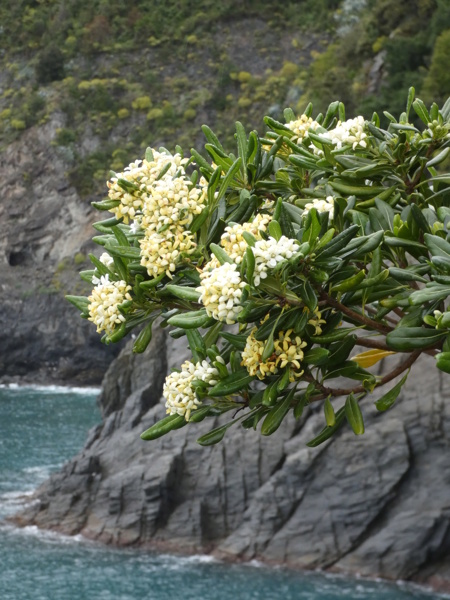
(378, 504)
(43, 225)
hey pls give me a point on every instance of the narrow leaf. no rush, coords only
(370, 357)
(354, 415)
(390, 397)
(231, 384)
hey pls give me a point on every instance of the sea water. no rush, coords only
(40, 428)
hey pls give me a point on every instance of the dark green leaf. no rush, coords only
(238, 341)
(276, 415)
(181, 291)
(327, 432)
(432, 293)
(233, 383)
(190, 320)
(308, 295)
(354, 414)
(316, 356)
(215, 436)
(196, 344)
(437, 246)
(421, 110)
(79, 302)
(404, 339)
(390, 397)
(144, 338)
(443, 361)
(164, 426)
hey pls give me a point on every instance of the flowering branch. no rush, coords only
(259, 258)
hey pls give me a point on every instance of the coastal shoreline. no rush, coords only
(432, 586)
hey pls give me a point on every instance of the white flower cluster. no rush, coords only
(220, 292)
(350, 132)
(268, 253)
(140, 176)
(172, 202)
(160, 252)
(301, 127)
(104, 302)
(321, 206)
(168, 210)
(232, 239)
(178, 391)
(162, 208)
(287, 351)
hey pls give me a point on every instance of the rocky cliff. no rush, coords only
(44, 224)
(378, 504)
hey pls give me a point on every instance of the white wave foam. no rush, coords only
(175, 562)
(16, 494)
(43, 470)
(13, 502)
(50, 536)
(254, 563)
(51, 389)
(200, 558)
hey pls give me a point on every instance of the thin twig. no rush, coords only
(373, 311)
(345, 392)
(368, 342)
(356, 316)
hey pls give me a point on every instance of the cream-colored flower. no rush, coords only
(213, 263)
(172, 202)
(104, 302)
(252, 357)
(180, 396)
(160, 252)
(321, 206)
(316, 321)
(135, 227)
(140, 177)
(301, 127)
(350, 132)
(232, 239)
(220, 292)
(288, 351)
(268, 253)
(106, 259)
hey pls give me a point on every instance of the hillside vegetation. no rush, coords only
(122, 75)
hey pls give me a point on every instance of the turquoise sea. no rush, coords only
(40, 428)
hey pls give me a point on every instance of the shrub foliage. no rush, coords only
(291, 266)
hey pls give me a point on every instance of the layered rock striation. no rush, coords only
(378, 504)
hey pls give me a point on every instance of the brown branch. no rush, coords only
(373, 311)
(372, 343)
(345, 392)
(356, 316)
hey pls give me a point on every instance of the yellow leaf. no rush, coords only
(370, 357)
